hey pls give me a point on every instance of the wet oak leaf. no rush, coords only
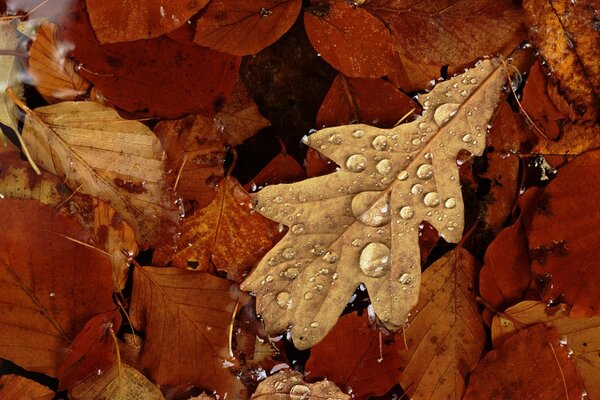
(531, 364)
(445, 334)
(245, 27)
(370, 101)
(350, 39)
(54, 74)
(360, 224)
(290, 385)
(562, 236)
(16, 387)
(42, 271)
(581, 336)
(99, 153)
(228, 234)
(356, 357)
(143, 20)
(567, 37)
(186, 317)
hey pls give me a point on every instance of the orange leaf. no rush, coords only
(49, 285)
(227, 234)
(245, 27)
(186, 317)
(356, 357)
(529, 365)
(281, 169)
(16, 387)
(350, 39)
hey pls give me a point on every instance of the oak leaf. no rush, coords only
(242, 27)
(16, 387)
(445, 335)
(99, 153)
(360, 224)
(289, 385)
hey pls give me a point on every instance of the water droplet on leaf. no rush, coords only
(380, 143)
(356, 163)
(431, 199)
(374, 259)
(425, 171)
(407, 212)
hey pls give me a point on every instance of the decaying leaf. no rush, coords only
(360, 224)
(445, 336)
(54, 75)
(10, 68)
(42, 271)
(289, 385)
(581, 336)
(99, 153)
(245, 27)
(16, 387)
(575, 139)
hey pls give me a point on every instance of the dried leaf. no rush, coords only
(145, 19)
(42, 271)
(579, 336)
(99, 153)
(227, 234)
(54, 75)
(565, 35)
(281, 169)
(361, 223)
(350, 39)
(10, 68)
(411, 75)
(186, 317)
(575, 140)
(289, 385)
(445, 334)
(531, 364)
(356, 357)
(16, 387)
(563, 236)
(242, 27)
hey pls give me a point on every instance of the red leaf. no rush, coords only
(281, 169)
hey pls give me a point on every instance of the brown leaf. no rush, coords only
(289, 385)
(531, 364)
(360, 224)
(563, 236)
(227, 234)
(411, 75)
(580, 336)
(565, 35)
(356, 357)
(10, 68)
(281, 169)
(575, 140)
(143, 20)
(371, 101)
(99, 153)
(16, 387)
(350, 39)
(242, 27)
(54, 75)
(445, 336)
(186, 317)
(42, 271)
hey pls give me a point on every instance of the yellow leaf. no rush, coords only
(290, 385)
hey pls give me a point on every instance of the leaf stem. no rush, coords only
(28, 111)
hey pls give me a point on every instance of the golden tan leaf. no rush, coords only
(99, 153)
(290, 385)
(360, 224)
(53, 73)
(16, 387)
(581, 336)
(575, 139)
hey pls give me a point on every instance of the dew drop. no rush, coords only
(330, 257)
(297, 229)
(416, 141)
(444, 112)
(468, 138)
(380, 143)
(284, 300)
(450, 203)
(428, 155)
(288, 253)
(291, 273)
(473, 81)
(357, 243)
(308, 295)
(269, 278)
(422, 125)
(273, 261)
(416, 189)
(405, 279)
(358, 133)
(407, 212)
(336, 138)
(356, 163)
(374, 259)
(278, 199)
(432, 199)
(403, 175)
(464, 93)
(314, 324)
(384, 166)
(425, 171)
(300, 392)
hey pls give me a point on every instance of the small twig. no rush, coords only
(562, 375)
(185, 157)
(81, 243)
(404, 117)
(230, 329)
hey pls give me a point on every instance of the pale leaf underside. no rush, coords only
(361, 223)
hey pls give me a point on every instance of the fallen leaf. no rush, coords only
(370, 101)
(565, 35)
(186, 317)
(16, 387)
(289, 385)
(54, 75)
(451, 32)
(196, 152)
(10, 68)
(99, 153)
(317, 164)
(350, 39)
(42, 271)
(356, 357)
(562, 237)
(575, 140)
(581, 336)
(411, 75)
(228, 234)
(445, 335)
(144, 20)
(531, 364)
(360, 224)
(281, 169)
(242, 28)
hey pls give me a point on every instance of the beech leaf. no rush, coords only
(360, 224)
(10, 67)
(16, 387)
(289, 385)
(99, 153)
